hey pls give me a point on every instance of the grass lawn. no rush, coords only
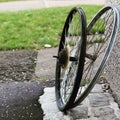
(31, 29)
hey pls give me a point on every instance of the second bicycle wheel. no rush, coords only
(101, 35)
(70, 59)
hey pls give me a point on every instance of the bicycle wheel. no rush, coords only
(101, 35)
(70, 59)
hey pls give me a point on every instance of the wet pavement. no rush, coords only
(19, 101)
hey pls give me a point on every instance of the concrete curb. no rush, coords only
(97, 106)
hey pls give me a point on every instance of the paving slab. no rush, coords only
(45, 66)
(84, 111)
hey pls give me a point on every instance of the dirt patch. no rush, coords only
(17, 65)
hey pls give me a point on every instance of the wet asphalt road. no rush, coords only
(19, 101)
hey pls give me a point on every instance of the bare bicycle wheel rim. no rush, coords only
(81, 96)
(59, 87)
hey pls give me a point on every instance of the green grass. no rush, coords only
(31, 29)
(84, 82)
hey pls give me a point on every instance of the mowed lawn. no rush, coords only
(32, 29)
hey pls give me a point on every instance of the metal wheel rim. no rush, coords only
(60, 102)
(106, 56)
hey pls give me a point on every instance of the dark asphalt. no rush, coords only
(19, 101)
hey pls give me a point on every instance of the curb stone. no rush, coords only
(98, 105)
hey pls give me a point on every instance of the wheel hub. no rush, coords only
(64, 56)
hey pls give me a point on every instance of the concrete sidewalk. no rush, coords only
(53, 3)
(38, 4)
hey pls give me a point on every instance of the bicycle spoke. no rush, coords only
(70, 49)
(101, 32)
